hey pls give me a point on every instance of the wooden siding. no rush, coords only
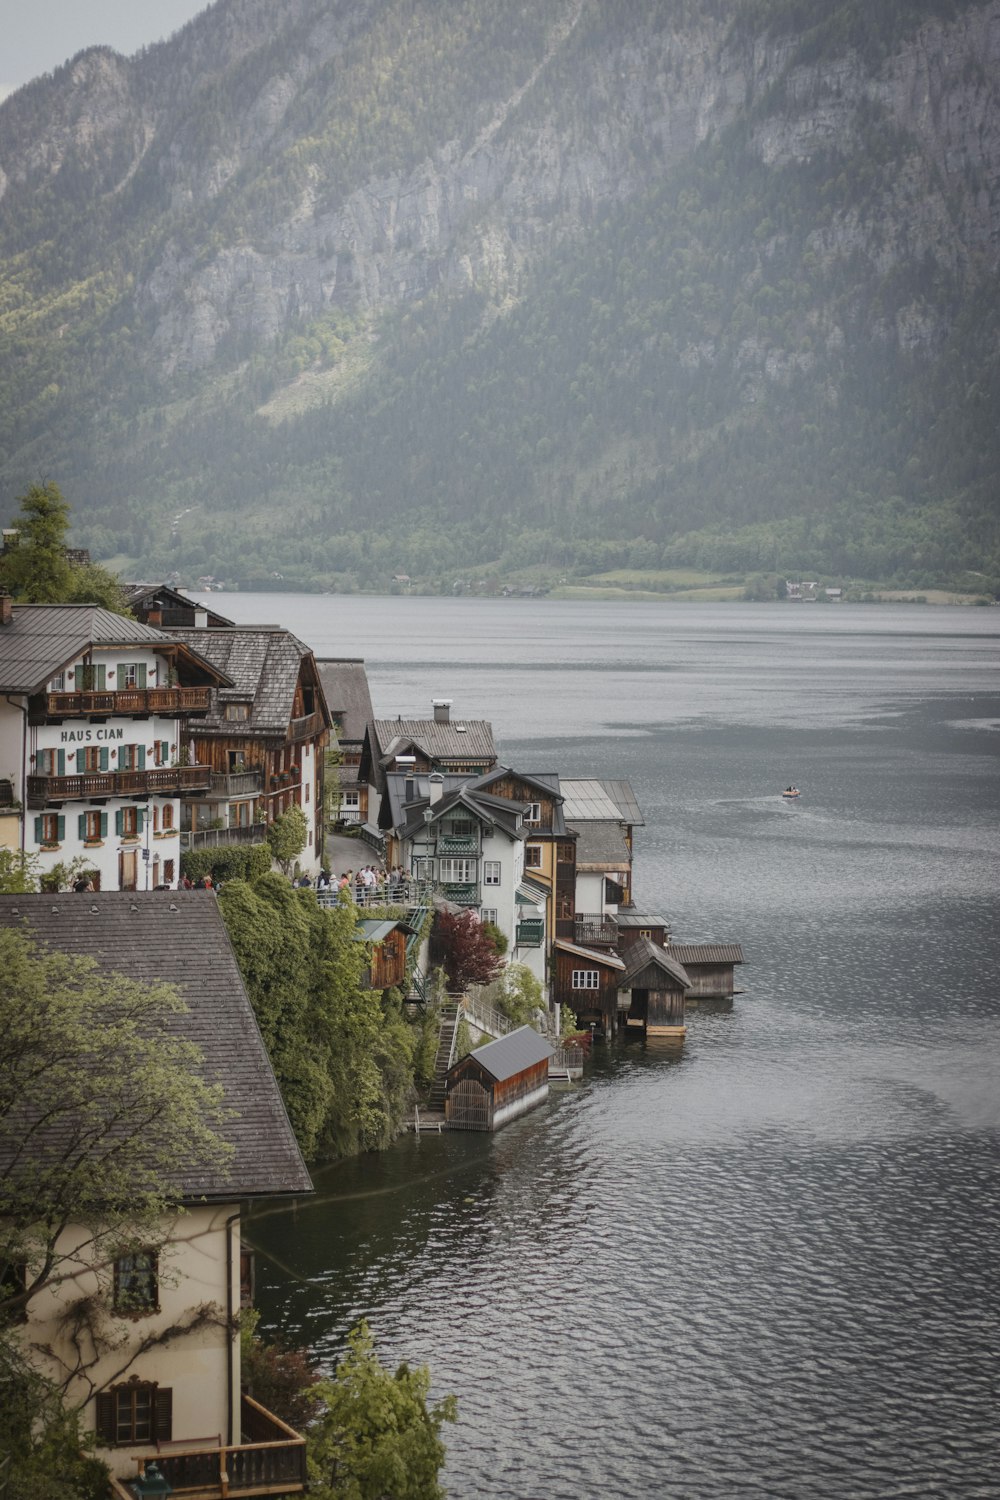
(602, 1001)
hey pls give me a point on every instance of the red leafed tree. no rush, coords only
(467, 953)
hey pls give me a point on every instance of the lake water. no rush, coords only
(764, 1264)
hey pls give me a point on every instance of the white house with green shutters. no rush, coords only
(95, 744)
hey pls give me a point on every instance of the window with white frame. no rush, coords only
(458, 871)
(423, 869)
(533, 813)
(532, 856)
(586, 979)
(58, 683)
(491, 872)
(488, 914)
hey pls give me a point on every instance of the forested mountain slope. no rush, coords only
(336, 289)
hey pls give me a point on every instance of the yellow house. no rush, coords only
(155, 1368)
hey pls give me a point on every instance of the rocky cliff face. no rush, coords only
(595, 117)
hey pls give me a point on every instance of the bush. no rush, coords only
(231, 862)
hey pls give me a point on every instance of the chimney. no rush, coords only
(6, 608)
(435, 788)
(201, 619)
(442, 710)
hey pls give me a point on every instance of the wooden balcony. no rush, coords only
(158, 700)
(237, 784)
(271, 1460)
(162, 781)
(601, 929)
(307, 727)
(460, 895)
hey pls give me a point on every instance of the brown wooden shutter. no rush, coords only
(104, 1420)
(163, 1413)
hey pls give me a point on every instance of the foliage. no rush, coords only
(496, 937)
(99, 1105)
(228, 862)
(378, 1435)
(281, 1378)
(518, 994)
(41, 1438)
(37, 569)
(342, 1061)
(468, 954)
(18, 872)
(286, 837)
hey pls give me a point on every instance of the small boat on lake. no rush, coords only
(791, 791)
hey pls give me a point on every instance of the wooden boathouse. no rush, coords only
(709, 967)
(385, 946)
(497, 1082)
(657, 984)
(588, 980)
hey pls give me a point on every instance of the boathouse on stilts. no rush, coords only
(657, 985)
(499, 1081)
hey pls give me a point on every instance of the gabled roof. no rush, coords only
(142, 597)
(494, 812)
(456, 739)
(374, 930)
(345, 685)
(513, 1053)
(594, 955)
(179, 937)
(264, 663)
(707, 953)
(588, 799)
(544, 783)
(42, 639)
(644, 955)
(601, 846)
(627, 917)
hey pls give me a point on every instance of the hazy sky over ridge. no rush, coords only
(37, 37)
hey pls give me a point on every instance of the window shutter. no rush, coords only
(38, 830)
(139, 816)
(163, 1413)
(121, 677)
(141, 758)
(104, 825)
(104, 1417)
(104, 760)
(81, 762)
(140, 675)
(61, 762)
(119, 822)
(100, 678)
(164, 751)
(60, 828)
(81, 826)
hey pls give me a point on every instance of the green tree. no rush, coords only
(36, 568)
(377, 1438)
(287, 837)
(40, 1438)
(98, 1104)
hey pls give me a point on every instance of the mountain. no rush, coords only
(338, 288)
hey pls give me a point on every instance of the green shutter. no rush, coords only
(121, 677)
(100, 678)
(81, 826)
(139, 816)
(81, 762)
(104, 825)
(38, 830)
(60, 828)
(141, 759)
(118, 822)
(140, 675)
(61, 762)
(104, 760)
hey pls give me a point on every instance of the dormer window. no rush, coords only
(236, 713)
(533, 813)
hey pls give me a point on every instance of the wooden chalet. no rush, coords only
(588, 981)
(385, 942)
(497, 1082)
(348, 697)
(709, 967)
(656, 985)
(457, 746)
(165, 608)
(264, 737)
(550, 852)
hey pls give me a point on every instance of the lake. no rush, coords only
(764, 1263)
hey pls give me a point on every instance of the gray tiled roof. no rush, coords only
(644, 954)
(345, 684)
(179, 937)
(459, 739)
(622, 795)
(596, 955)
(601, 845)
(628, 917)
(707, 953)
(42, 638)
(588, 798)
(263, 662)
(512, 1053)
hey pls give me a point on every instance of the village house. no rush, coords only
(457, 746)
(499, 1081)
(163, 1381)
(263, 737)
(96, 712)
(603, 814)
(345, 687)
(165, 607)
(550, 851)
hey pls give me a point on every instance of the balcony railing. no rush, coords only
(237, 783)
(460, 895)
(595, 929)
(458, 843)
(530, 933)
(164, 781)
(158, 700)
(271, 1461)
(306, 727)
(219, 838)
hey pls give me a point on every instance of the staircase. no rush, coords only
(445, 1054)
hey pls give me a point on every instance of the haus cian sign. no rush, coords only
(81, 736)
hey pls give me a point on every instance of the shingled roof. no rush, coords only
(645, 958)
(601, 846)
(453, 740)
(345, 684)
(263, 663)
(707, 953)
(179, 937)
